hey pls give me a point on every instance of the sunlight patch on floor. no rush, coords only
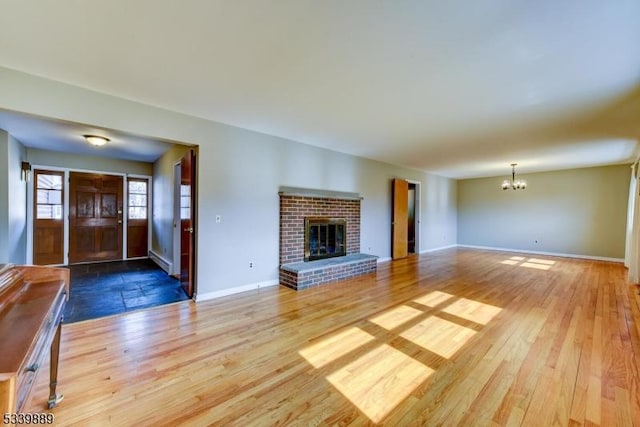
(335, 346)
(395, 317)
(537, 263)
(377, 377)
(439, 336)
(536, 266)
(434, 298)
(378, 381)
(475, 311)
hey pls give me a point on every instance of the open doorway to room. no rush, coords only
(412, 220)
(98, 225)
(405, 221)
(93, 209)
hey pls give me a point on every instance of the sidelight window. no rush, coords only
(137, 198)
(48, 196)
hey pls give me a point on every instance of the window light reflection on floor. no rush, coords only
(433, 299)
(380, 380)
(513, 260)
(537, 263)
(378, 377)
(439, 336)
(335, 346)
(475, 311)
(395, 317)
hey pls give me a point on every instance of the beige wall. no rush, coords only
(577, 211)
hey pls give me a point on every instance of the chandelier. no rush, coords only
(519, 184)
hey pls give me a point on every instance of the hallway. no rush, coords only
(104, 289)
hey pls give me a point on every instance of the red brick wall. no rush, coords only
(293, 210)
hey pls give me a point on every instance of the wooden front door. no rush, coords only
(399, 224)
(48, 218)
(187, 221)
(95, 217)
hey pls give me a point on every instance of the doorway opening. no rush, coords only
(411, 220)
(405, 219)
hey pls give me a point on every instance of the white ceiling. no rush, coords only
(457, 88)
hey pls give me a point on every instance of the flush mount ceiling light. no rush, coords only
(96, 140)
(514, 184)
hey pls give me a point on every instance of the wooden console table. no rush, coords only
(32, 301)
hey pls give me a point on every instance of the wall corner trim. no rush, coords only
(236, 290)
(558, 254)
(162, 262)
(441, 248)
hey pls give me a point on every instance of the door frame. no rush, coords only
(417, 223)
(177, 173)
(67, 171)
(125, 216)
(417, 209)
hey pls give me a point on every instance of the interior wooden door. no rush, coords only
(187, 221)
(95, 217)
(48, 217)
(399, 219)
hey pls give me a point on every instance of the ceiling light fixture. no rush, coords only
(519, 184)
(96, 140)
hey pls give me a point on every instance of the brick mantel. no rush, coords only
(293, 210)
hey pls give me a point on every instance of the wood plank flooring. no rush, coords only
(456, 337)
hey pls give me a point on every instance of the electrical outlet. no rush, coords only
(218, 218)
(250, 265)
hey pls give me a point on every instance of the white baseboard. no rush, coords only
(385, 259)
(426, 251)
(231, 291)
(525, 251)
(162, 262)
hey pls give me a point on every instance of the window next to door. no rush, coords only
(137, 217)
(48, 224)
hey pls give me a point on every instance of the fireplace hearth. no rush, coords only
(324, 238)
(320, 238)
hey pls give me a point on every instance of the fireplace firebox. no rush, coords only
(324, 238)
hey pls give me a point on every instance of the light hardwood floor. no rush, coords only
(456, 337)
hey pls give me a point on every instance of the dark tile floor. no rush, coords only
(103, 289)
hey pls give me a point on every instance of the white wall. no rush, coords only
(239, 174)
(163, 188)
(83, 162)
(576, 212)
(13, 201)
(4, 197)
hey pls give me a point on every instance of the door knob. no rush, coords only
(189, 229)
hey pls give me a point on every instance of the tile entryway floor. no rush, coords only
(103, 289)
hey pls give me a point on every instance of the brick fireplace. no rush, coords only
(299, 205)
